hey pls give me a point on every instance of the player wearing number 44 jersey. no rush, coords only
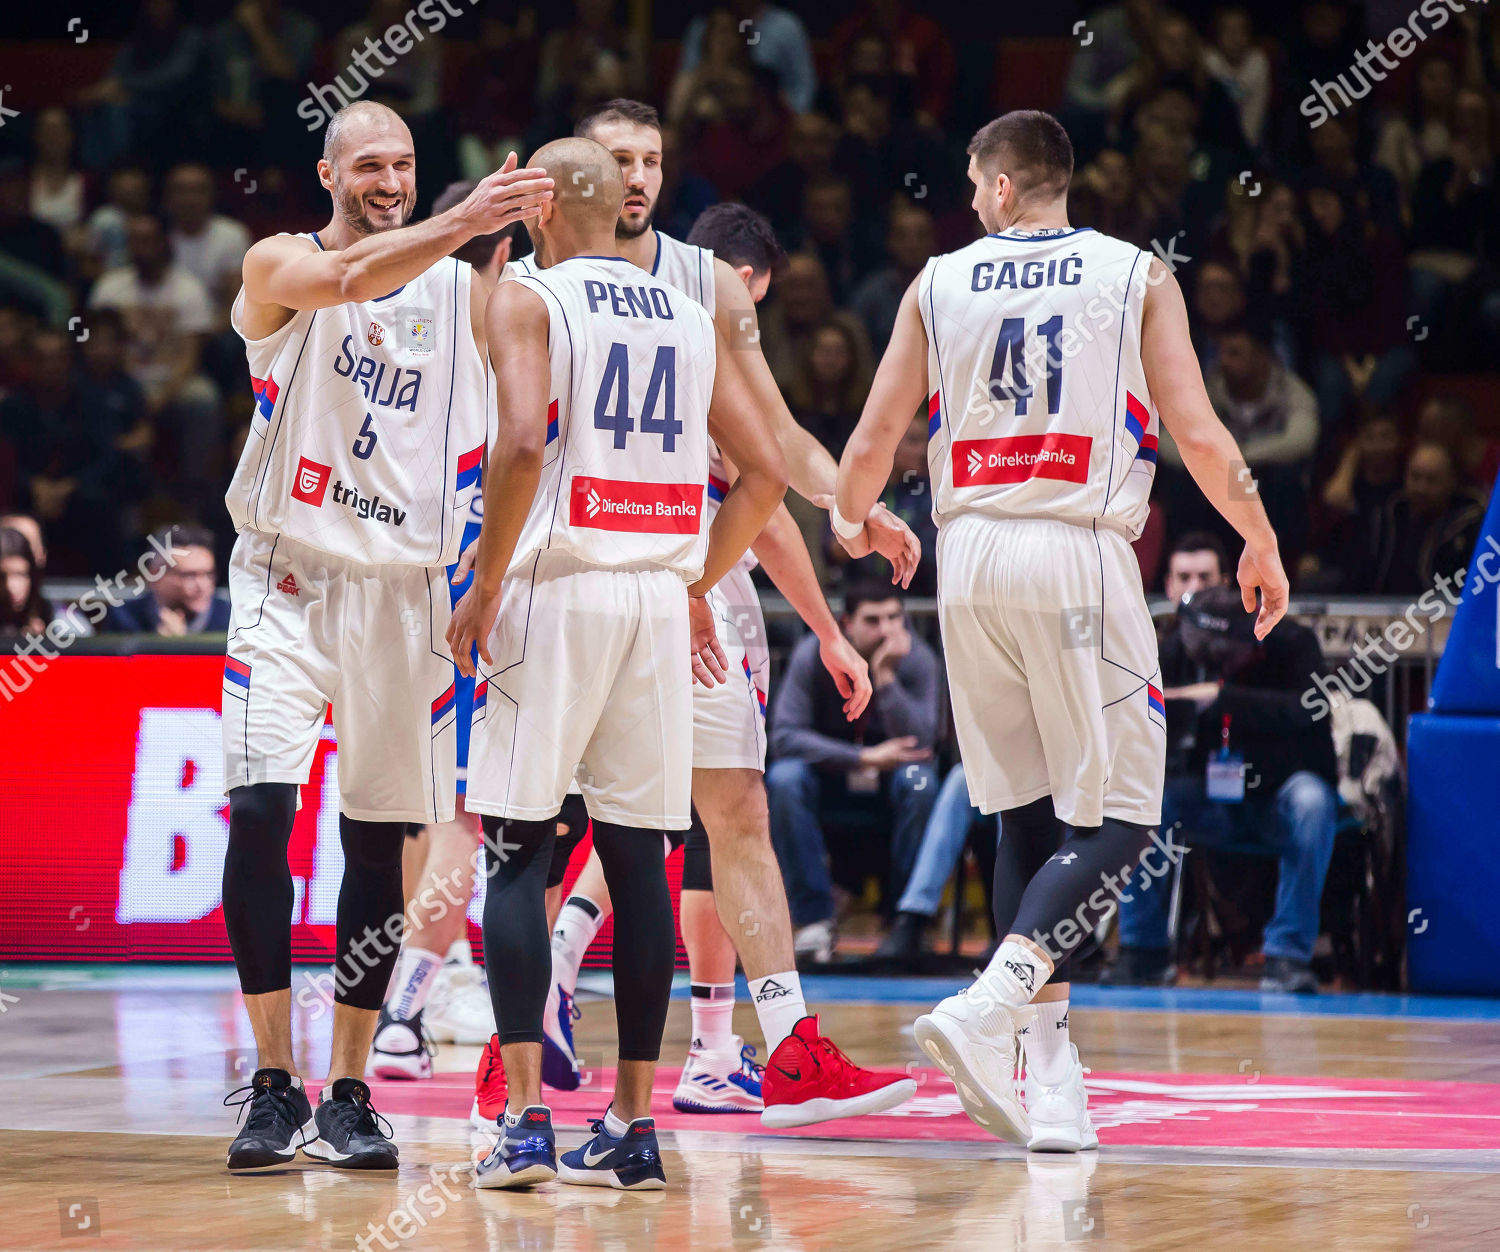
(591, 551)
(365, 344)
(1047, 358)
(806, 1077)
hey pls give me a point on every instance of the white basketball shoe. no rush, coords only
(972, 1037)
(1060, 1115)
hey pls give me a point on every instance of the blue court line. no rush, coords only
(861, 989)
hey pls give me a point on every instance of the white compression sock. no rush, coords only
(778, 1004)
(415, 971)
(1044, 1036)
(1015, 974)
(614, 1125)
(713, 1016)
(577, 924)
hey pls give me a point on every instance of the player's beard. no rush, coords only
(633, 230)
(352, 209)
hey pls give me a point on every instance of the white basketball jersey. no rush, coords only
(1038, 404)
(625, 470)
(369, 428)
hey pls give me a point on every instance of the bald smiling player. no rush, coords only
(363, 451)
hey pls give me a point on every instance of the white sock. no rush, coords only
(459, 952)
(713, 1016)
(614, 1125)
(778, 1004)
(415, 971)
(577, 924)
(1014, 975)
(1044, 1036)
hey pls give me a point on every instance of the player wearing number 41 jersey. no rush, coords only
(591, 549)
(1048, 358)
(365, 345)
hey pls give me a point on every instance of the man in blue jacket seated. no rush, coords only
(874, 773)
(182, 596)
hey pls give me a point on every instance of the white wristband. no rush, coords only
(842, 526)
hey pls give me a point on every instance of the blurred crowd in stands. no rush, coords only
(1343, 277)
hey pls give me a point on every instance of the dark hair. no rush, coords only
(183, 535)
(868, 591)
(1201, 541)
(736, 233)
(618, 110)
(480, 250)
(1030, 146)
(18, 617)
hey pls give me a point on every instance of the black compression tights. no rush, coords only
(258, 897)
(1048, 873)
(517, 941)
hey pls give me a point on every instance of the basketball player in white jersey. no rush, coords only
(349, 499)
(1048, 359)
(592, 544)
(806, 1078)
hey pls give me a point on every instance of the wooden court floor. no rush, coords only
(112, 1135)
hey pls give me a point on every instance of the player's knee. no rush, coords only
(261, 816)
(373, 846)
(697, 866)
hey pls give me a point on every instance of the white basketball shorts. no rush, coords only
(307, 630)
(1053, 670)
(729, 719)
(591, 679)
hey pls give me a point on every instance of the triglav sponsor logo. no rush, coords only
(311, 482)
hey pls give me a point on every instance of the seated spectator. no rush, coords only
(828, 387)
(909, 241)
(182, 598)
(23, 608)
(1237, 726)
(32, 529)
(148, 94)
(208, 245)
(1368, 473)
(799, 303)
(779, 193)
(1409, 139)
(1100, 73)
(57, 185)
(167, 314)
(1218, 303)
(875, 773)
(33, 264)
(1174, 61)
(1356, 305)
(1334, 156)
(943, 842)
(1425, 532)
(780, 45)
(920, 53)
(829, 231)
(1449, 421)
(1274, 416)
(595, 42)
(259, 61)
(1196, 562)
(106, 236)
(1243, 68)
(1103, 195)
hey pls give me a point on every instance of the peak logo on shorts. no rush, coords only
(987, 462)
(646, 508)
(311, 482)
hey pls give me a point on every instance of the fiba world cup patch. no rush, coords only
(418, 334)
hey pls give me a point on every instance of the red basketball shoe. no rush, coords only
(809, 1080)
(489, 1087)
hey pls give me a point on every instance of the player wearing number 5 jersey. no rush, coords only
(365, 344)
(1048, 359)
(593, 542)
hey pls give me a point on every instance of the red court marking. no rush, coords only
(1138, 1109)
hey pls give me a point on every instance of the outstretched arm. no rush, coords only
(736, 425)
(811, 470)
(285, 272)
(516, 324)
(1208, 450)
(897, 392)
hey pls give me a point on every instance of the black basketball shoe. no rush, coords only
(280, 1121)
(350, 1133)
